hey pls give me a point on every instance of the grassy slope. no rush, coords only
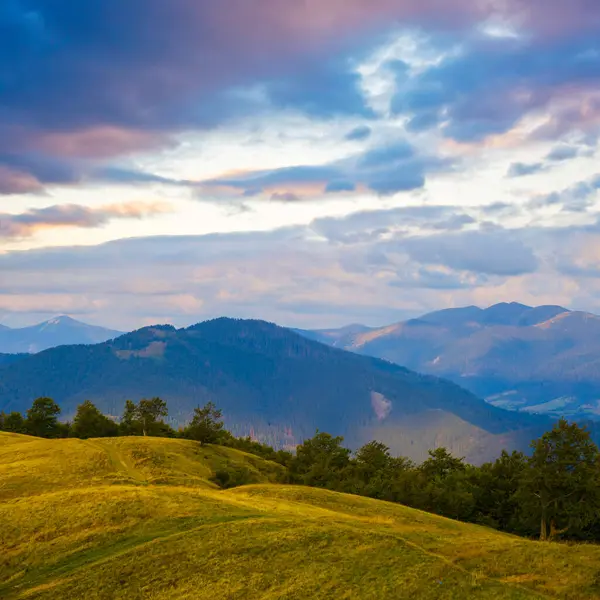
(137, 518)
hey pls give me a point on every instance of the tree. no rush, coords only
(13, 423)
(148, 413)
(378, 474)
(143, 418)
(441, 464)
(320, 461)
(206, 426)
(446, 489)
(373, 457)
(495, 487)
(89, 422)
(42, 420)
(128, 424)
(560, 485)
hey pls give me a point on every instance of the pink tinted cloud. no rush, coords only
(99, 142)
(289, 23)
(554, 18)
(111, 97)
(16, 182)
(30, 222)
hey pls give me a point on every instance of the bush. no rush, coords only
(233, 477)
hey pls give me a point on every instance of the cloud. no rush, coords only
(562, 153)
(73, 215)
(385, 170)
(578, 197)
(486, 86)
(359, 134)
(285, 197)
(374, 266)
(369, 225)
(497, 252)
(130, 176)
(524, 169)
(340, 186)
(17, 182)
(142, 71)
(438, 279)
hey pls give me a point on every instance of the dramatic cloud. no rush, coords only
(298, 119)
(488, 85)
(123, 75)
(385, 170)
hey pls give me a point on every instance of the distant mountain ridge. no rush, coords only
(59, 331)
(271, 382)
(539, 359)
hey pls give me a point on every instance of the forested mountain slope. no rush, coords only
(544, 359)
(271, 382)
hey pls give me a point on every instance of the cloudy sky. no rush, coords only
(309, 162)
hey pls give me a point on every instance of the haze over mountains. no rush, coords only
(59, 331)
(544, 359)
(273, 383)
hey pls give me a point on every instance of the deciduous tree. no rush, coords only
(560, 485)
(42, 418)
(89, 422)
(207, 425)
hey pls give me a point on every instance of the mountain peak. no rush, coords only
(59, 331)
(61, 320)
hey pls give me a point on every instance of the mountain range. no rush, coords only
(543, 359)
(59, 331)
(271, 383)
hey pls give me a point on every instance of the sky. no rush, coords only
(304, 162)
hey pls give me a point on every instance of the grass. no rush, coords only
(139, 518)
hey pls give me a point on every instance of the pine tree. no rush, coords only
(206, 425)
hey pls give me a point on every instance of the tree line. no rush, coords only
(554, 492)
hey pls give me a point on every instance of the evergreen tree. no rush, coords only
(42, 419)
(560, 486)
(89, 422)
(206, 426)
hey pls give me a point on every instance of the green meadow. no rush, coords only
(141, 518)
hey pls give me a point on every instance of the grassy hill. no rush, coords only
(139, 518)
